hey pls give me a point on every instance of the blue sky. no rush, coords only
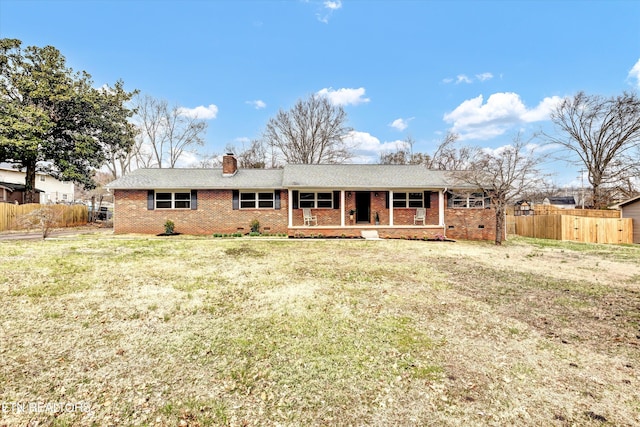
(484, 69)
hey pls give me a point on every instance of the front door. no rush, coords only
(363, 206)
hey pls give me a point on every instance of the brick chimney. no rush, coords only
(229, 165)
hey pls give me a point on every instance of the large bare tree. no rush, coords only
(165, 133)
(404, 155)
(449, 156)
(253, 156)
(313, 131)
(603, 135)
(504, 174)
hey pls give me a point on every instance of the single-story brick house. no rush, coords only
(345, 199)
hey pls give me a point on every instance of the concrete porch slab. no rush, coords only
(370, 234)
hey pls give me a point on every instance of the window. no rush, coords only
(408, 200)
(469, 200)
(257, 200)
(173, 200)
(315, 200)
(42, 178)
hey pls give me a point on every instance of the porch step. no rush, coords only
(370, 234)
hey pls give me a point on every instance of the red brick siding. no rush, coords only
(465, 224)
(215, 214)
(325, 216)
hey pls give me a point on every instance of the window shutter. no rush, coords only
(194, 200)
(336, 200)
(294, 202)
(236, 200)
(487, 201)
(427, 199)
(151, 200)
(276, 195)
(386, 200)
(449, 199)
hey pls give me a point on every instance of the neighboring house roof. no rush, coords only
(564, 200)
(626, 202)
(349, 176)
(178, 178)
(15, 187)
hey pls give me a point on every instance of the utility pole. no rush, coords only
(582, 171)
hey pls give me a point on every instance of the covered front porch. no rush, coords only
(398, 213)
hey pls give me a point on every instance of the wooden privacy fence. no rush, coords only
(65, 215)
(591, 213)
(574, 228)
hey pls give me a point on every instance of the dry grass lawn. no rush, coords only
(105, 330)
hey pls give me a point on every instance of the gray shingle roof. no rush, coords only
(363, 176)
(149, 179)
(334, 177)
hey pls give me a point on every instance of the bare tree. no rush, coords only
(44, 218)
(404, 155)
(252, 157)
(165, 134)
(313, 131)
(448, 156)
(603, 133)
(504, 175)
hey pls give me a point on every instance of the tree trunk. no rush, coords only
(31, 196)
(499, 224)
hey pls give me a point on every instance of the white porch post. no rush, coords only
(441, 208)
(391, 207)
(290, 207)
(342, 208)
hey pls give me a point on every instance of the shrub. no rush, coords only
(255, 226)
(169, 227)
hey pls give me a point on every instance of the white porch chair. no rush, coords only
(420, 216)
(308, 218)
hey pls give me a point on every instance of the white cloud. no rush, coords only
(257, 104)
(333, 5)
(201, 112)
(329, 6)
(461, 78)
(345, 96)
(367, 148)
(543, 110)
(474, 120)
(484, 76)
(401, 124)
(635, 73)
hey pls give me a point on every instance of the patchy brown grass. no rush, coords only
(196, 331)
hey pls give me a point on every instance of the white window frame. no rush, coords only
(257, 200)
(407, 199)
(474, 200)
(184, 203)
(316, 202)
